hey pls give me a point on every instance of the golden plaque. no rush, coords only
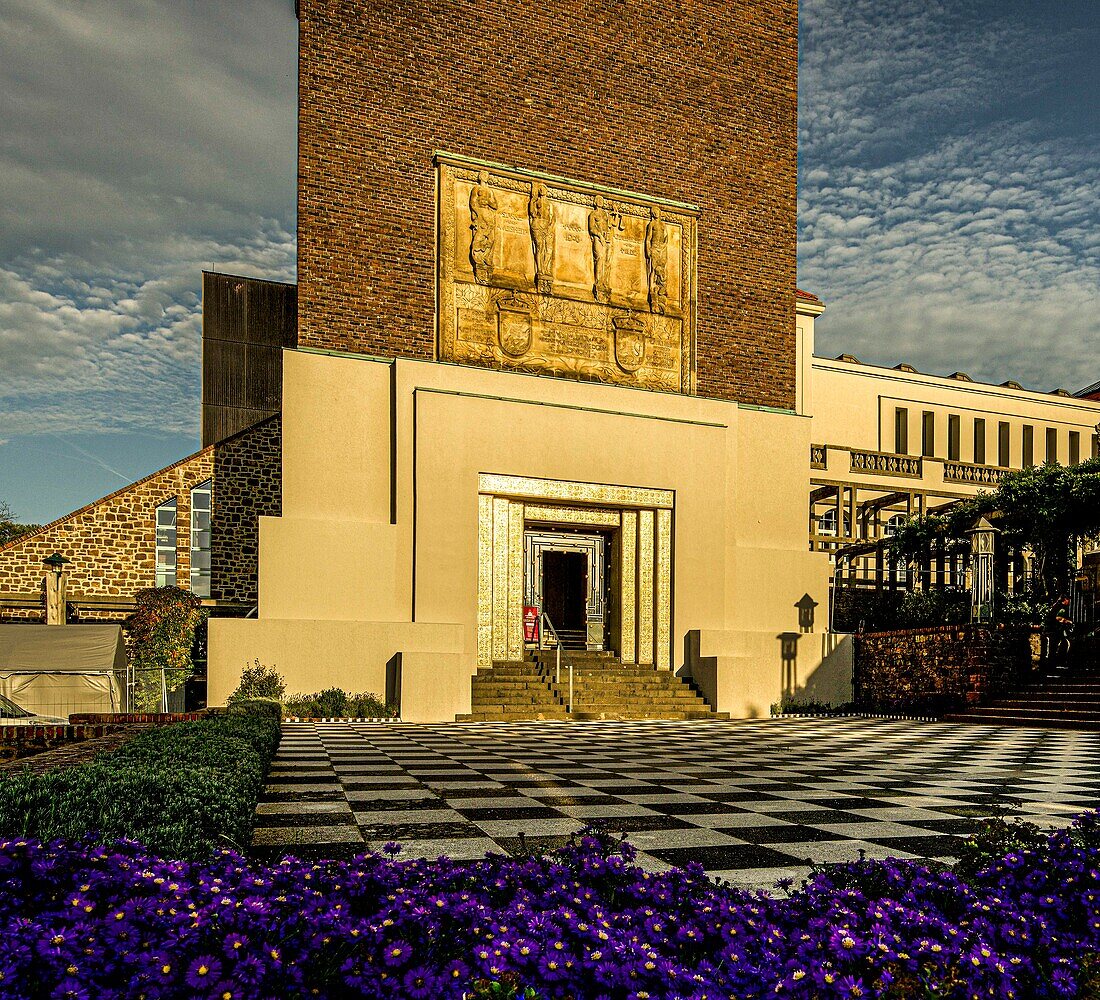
(548, 276)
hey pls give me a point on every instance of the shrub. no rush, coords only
(258, 681)
(77, 919)
(184, 789)
(162, 632)
(334, 703)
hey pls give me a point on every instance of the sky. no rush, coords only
(948, 205)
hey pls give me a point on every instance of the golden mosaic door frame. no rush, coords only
(640, 523)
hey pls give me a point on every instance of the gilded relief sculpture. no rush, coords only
(540, 213)
(656, 259)
(600, 223)
(483, 229)
(548, 276)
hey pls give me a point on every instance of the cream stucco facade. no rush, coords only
(376, 559)
(889, 443)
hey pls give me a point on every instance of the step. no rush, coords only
(975, 718)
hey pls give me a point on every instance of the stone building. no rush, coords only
(195, 523)
(546, 354)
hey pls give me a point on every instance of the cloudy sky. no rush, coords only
(948, 204)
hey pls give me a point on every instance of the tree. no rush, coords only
(1046, 509)
(10, 528)
(162, 634)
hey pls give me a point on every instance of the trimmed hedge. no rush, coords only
(183, 790)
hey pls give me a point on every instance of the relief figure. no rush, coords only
(656, 260)
(540, 212)
(600, 224)
(483, 229)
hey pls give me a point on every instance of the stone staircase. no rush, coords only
(603, 688)
(1070, 701)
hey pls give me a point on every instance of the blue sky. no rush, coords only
(947, 215)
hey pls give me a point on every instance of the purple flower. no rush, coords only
(203, 971)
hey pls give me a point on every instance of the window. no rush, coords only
(979, 441)
(928, 434)
(901, 431)
(1029, 446)
(895, 566)
(1074, 447)
(1052, 444)
(200, 539)
(1003, 441)
(166, 544)
(954, 433)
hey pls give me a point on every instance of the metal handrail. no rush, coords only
(544, 619)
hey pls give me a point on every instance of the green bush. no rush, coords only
(258, 706)
(188, 788)
(162, 633)
(332, 703)
(258, 681)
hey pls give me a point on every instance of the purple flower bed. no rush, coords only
(87, 920)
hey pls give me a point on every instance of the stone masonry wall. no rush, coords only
(689, 101)
(938, 669)
(112, 542)
(247, 486)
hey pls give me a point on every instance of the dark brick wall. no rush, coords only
(936, 670)
(690, 101)
(247, 486)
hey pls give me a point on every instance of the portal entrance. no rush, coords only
(565, 575)
(564, 593)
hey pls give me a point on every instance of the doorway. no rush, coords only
(565, 595)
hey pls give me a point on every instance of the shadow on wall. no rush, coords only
(830, 663)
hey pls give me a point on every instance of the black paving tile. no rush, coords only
(723, 858)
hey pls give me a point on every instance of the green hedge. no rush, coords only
(184, 790)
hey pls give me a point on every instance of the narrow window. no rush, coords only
(1074, 447)
(1029, 446)
(1003, 441)
(1052, 444)
(928, 434)
(901, 431)
(979, 441)
(200, 539)
(166, 544)
(954, 433)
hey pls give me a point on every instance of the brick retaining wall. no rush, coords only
(17, 742)
(934, 670)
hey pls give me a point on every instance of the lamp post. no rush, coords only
(56, 584)
(982, 544)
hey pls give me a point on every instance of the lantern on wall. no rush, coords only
(982, 545)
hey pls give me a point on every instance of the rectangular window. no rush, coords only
(1052, 444)
(928, 434)
(979, 441)
(200, 539)
(1029, 446)
(166, 544)
(1074, 447)
(954, 434)
(901, 431)
(1003, 441)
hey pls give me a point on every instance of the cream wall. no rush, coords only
(854, 407)
(376, 553)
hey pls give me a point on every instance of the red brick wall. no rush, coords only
(690, 101)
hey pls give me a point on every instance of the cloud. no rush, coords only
(143, 142)
(947, 211)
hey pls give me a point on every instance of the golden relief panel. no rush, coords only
(553, 277)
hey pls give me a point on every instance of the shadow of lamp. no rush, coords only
(806, 605)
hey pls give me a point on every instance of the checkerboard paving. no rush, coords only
(751, 801)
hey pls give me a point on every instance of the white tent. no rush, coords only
(61, 669)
